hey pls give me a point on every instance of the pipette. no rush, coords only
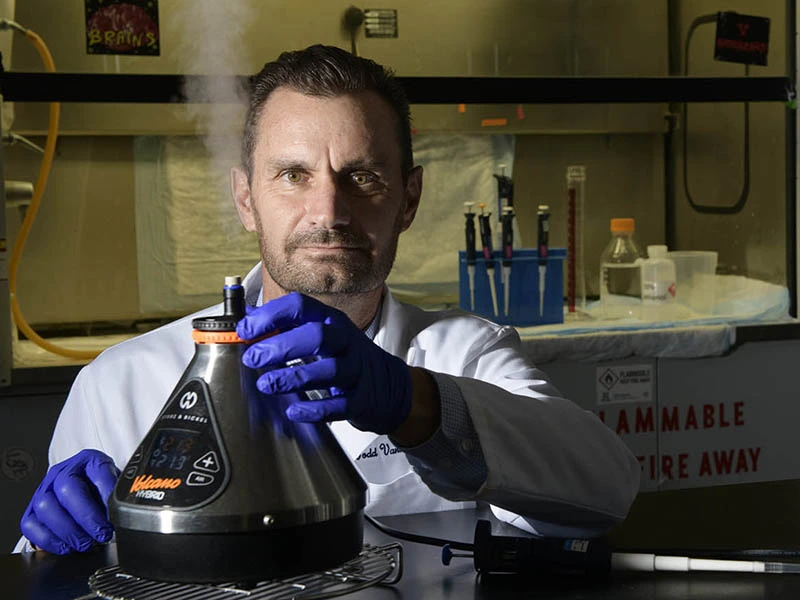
(543, 231)
(514, 554)
(469, 231)
(508, 252)
(488, 253)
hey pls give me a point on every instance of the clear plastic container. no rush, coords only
(695, 276)
(620, 273)
(658, 285)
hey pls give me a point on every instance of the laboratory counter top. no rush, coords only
(590, 343)
(745, 310)
(37, 576)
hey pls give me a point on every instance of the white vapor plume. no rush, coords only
(209, 36)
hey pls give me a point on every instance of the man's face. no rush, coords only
(327, 195)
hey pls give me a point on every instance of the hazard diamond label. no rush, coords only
(608, 379)
(625, 383)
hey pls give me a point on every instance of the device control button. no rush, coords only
(130, 472)
(196, 478)
(137, 456)
(208, 462)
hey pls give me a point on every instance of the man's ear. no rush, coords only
(413, 194)
(242, 200)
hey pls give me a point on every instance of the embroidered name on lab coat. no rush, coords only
(378, 450)
(381, 462)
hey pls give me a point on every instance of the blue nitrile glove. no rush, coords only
(369, 387)
(68, 510)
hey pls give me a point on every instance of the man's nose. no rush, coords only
(327, 204)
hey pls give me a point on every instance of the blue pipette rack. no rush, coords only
(523, 302)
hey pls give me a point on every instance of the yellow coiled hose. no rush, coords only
(27, 223)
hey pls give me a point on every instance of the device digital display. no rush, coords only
(173, 449)
(181, 462)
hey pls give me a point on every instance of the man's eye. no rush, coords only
(293, 176)
(362, 178)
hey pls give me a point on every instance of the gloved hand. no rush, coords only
(68, 510)
(369, 387)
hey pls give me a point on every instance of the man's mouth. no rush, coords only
(328, 241)
(330, 248)
(336, 253)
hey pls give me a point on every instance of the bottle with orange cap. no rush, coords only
(620, 273)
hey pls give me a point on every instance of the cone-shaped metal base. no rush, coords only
(225, 488)
(240, 557)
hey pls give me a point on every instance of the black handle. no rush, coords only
(486, 239)
(505, 189)
(470, 233)
(543, 231)
(508, 238)
(501, 554)
(233, 301)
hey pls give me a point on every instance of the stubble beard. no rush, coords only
(350, 273)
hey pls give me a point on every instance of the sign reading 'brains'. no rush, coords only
(122, 27)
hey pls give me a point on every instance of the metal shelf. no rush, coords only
(101, 87)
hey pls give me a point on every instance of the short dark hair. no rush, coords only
(326, 71)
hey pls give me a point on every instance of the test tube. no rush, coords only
(576, 272)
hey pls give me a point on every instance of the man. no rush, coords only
(327, 182)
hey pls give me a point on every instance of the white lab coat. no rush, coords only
(547, 459)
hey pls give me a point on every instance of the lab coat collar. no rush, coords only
(393, 329)
(252, 287)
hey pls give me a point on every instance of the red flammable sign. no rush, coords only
(675, 419)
